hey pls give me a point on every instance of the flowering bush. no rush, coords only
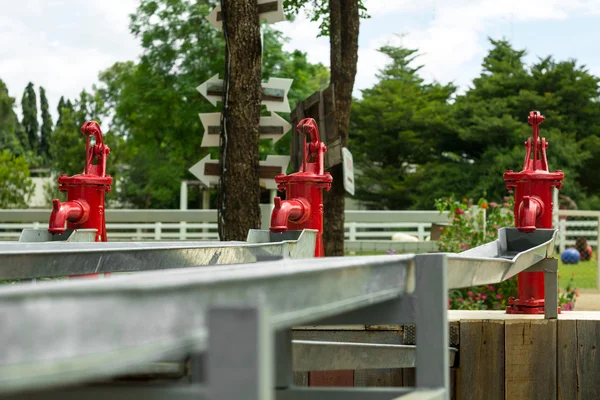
(471, 227)
(566, 299)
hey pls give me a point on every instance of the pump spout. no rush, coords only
(76, 211)
(295, 210)
(529, 211)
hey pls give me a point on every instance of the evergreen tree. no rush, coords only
(9, 123)
(399, 123)
(61, 105)
(30, 122)
(46, 125)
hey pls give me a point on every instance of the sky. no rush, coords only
(63, 44)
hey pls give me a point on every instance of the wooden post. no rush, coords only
(482, 360)
(530, 367)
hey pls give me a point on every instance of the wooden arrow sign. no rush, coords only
(274, 92)
(208, 170)
(273, 127)
(269, 10)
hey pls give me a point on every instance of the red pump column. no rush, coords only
(84, 208)
(533, 209)
(303, 207)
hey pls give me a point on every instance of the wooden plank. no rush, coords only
(385, 377)
(567, 359)
(264, 171)
(588, 359)
(482, 359)
(262, 129)
(267, 94)
(530, 352)
(262, 8)
(408, 377)
(454, 384)
(321, 107)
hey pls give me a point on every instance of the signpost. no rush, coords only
(269, 10)
(273, 127)
(208, 170)
(321, 107)
(274, 92)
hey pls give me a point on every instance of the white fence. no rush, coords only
(370, 231)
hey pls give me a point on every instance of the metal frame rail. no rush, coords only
(61, 338)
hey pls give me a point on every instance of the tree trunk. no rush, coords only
(239, 208)
(343, 27)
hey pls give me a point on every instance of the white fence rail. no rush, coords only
(365, 230)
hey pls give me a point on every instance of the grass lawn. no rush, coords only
(584, 274)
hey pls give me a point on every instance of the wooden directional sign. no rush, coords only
(274, 92)
(208, 171)
(269, 10)
(273, 127)
(321, 107)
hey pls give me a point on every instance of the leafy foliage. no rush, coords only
(46, 131)
(155, 104)
(317, 11)
(9, 123)
(465, 145)
(398, 123)
(16, 186)
(30, 121)
(474, 226)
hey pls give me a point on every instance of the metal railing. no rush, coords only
(228, 319)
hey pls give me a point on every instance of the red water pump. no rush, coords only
(533, 209)
(303, 207)
(84, 208)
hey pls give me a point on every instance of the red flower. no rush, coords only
(459, 211)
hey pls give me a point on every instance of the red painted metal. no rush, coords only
(343, 378)
(533, 209)
(84, 208)
(303, 207)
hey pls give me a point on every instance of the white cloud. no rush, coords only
(455, 38)
(62, 45)
(303, 36)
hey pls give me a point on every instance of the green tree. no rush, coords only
(9, 123)
(491, 127)
(30, 122)
(46, 130)
(399, 123)
(154, 103)
(15, 185)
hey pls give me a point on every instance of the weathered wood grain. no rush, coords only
(482, 360)
(588, 359)
(530, 353)
(567, 360)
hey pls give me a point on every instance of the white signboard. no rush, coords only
(275, 92)
(273, 127)
(207, 170)
(348, 171)
(268, 10)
